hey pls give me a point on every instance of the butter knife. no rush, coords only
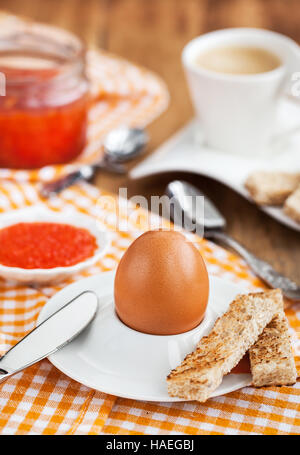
(51, 335)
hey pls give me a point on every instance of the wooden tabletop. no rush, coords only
(152, 33)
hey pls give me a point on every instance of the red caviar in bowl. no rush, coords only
(42, 245)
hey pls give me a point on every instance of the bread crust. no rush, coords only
(272, 188)
(202, 371)
(271, 357)
(292, 205)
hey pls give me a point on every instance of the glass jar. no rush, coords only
(43, 115)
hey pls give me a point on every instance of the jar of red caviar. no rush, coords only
(43, 115)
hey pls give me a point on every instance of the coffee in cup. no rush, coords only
(238, 60)
(237, 77)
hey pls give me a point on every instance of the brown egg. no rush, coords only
(161, 284)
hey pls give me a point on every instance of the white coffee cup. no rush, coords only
(238, 111)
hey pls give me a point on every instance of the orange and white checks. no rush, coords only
(42, 400)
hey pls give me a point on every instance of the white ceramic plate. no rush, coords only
(110, 357)
(41, 214)
(185, 152)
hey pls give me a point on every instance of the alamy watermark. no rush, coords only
(159, 212)
(295, 88)
(2, 84)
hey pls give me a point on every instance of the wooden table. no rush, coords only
(152, 33)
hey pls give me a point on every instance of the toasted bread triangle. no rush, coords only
(271, 357)
(202, 371)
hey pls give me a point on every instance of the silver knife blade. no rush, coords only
(52, 334)
(184, 194)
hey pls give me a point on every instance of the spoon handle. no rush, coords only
(261, 268)
(56, 186)
(84, 173)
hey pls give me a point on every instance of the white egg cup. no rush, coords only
(113, 358)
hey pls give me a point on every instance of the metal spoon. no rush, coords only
(120, 145)
(214, 224)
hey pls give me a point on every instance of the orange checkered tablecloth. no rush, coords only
(42, 400)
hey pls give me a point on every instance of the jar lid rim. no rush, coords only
(44, 41)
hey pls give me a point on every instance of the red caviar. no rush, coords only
(43, 113)
(35, 137)
(45, 245)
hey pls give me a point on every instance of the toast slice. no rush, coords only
(292, 205)
(272, 188)
(233, 334)
(271, 357)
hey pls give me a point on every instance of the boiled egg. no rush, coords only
(161, 285)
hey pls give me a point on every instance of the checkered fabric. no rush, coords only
(42, 400)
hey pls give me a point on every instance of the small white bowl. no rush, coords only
(55, 274)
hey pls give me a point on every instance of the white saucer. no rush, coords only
(110, 357)
(184, 152)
